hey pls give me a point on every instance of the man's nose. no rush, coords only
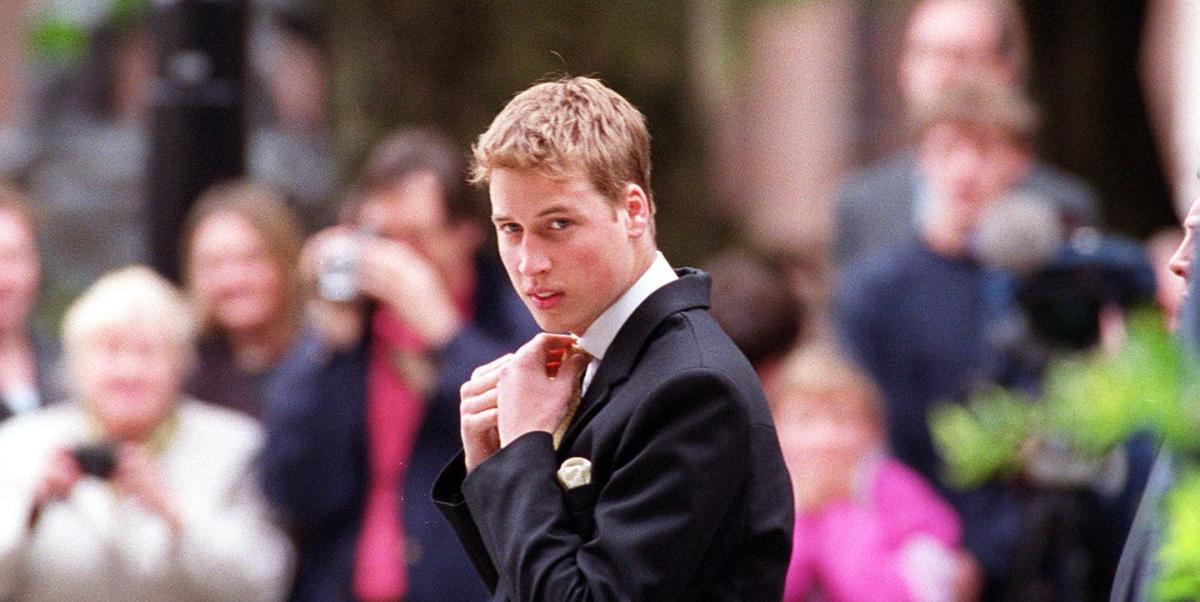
(534, 260)
(1181, 261)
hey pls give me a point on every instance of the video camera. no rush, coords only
(1058, 283)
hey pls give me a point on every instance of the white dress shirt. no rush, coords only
(600, 334)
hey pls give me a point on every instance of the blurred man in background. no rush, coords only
(945, 42)
(914, 317)
(364, 413)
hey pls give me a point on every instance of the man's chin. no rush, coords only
(554, 324)
(546, 322)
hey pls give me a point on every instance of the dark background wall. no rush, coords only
(1085, 77)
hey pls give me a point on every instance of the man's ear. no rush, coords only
(635, 210)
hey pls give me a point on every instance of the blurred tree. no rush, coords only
(455, 63)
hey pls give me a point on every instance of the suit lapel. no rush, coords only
(690, 291)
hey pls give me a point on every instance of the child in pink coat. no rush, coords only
(867, 526)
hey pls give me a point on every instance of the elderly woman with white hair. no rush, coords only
(133, 492)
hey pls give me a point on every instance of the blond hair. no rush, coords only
(984, 102)
(573, 126)
(821, 371)
(132, 295)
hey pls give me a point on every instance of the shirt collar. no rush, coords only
(600, 334)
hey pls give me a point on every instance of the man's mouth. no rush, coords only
(545, 299)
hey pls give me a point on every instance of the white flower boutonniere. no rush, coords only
(575, 472)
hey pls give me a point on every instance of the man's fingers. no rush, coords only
(480, 422)
(574, 365)
(545, 350)
(492, 365)
(484, 377)
(548, 341)
(479, 403)
(479, 384)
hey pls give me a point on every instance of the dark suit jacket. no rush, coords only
(875, 208)
(314, 461)
(689, 498)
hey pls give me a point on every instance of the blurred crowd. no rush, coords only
(270, 428)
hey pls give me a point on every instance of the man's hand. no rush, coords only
(387, 271)
(478, 413)
(59, 478)
(139, 476)
(397, 275)
(528, 397)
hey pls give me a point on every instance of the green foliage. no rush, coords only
(126, 13)
(1092, 402)
(1179, 556)
(56, 37)
(983, 439)
(57, 40)
(1099, 400)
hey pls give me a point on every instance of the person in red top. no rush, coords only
(365, 412)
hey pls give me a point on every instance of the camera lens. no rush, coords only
(96, 459)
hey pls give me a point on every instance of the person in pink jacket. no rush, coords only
(867, 526)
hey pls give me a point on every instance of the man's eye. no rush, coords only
(559, 224)
(508, 228)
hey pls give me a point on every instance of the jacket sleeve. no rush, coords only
(677, 470)
(447, 495)
(18, 480)
(309, 463)
(234, 550)
(854, 313)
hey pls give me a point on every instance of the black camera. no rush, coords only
(96, 459)
(1063, 300)
(1059, 281)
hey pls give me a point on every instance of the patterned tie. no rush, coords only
(572, 405)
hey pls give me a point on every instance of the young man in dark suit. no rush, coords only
(664, 480)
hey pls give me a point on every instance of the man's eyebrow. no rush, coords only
(551, 210)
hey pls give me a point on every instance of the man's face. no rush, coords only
(19, 271)
(412, 211)
(966, 168)
(1181, 261)
(568, 251)
(948, 40)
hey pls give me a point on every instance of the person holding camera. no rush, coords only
(931, 321)
(945, 42)
(134, 492)
(915, 317)
(364, 413)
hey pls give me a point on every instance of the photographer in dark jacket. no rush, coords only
(364, 413)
